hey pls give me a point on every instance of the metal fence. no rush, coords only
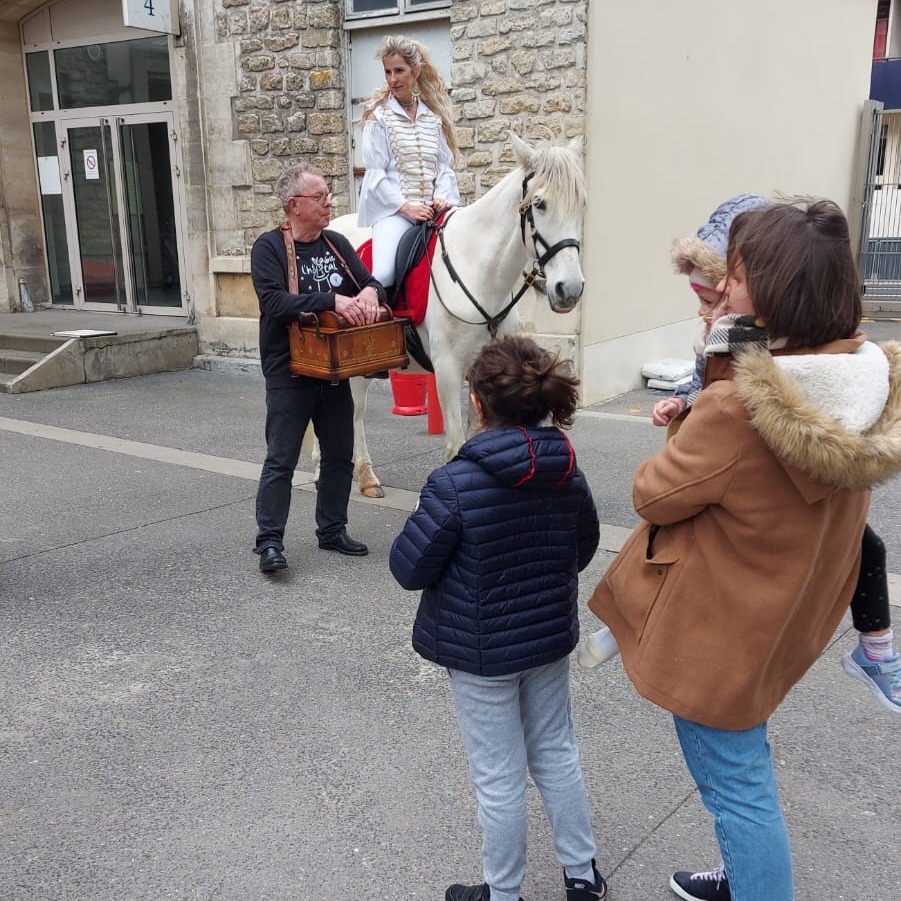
(879, 250)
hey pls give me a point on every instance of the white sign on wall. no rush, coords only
(91, 167)
(152, 15)
(48, 175)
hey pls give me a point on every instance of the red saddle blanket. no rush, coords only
(414, 293)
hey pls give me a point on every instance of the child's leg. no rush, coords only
(598, 648)
(875, 662)
(870, 604)
(489, 720)
(553, 757)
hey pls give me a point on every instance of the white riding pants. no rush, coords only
(386, 235)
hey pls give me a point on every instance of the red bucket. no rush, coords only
(409, 393)
(436, 418)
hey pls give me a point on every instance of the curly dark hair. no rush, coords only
(519, 383)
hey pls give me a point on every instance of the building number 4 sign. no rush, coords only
(152, 15)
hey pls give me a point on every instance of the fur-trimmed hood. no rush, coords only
(707, 248)
(691, 252)
(835, 416)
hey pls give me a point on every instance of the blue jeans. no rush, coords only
(511, 723)
(330, 407)
(734, 773)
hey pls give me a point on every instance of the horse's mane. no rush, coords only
(558, 174)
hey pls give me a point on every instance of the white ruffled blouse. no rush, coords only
(405, 160)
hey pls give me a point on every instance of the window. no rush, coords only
(109, 74)
(360, 8)
(40, 85)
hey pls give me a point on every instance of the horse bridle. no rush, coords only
(529, 279)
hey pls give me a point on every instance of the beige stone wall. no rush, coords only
(21, 240)
(288, 104)
(517, 64)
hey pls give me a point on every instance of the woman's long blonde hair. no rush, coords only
(431, 85)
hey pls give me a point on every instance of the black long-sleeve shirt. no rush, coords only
(319, 276)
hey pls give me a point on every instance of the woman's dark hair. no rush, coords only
(800, 271)
(518, 383)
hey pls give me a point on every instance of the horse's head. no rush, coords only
(552, 205)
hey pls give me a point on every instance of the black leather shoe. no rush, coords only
(344, 544)
(272, 560)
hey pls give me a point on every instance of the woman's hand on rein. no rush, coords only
(417, 212)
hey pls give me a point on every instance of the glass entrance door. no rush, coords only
(123, 201)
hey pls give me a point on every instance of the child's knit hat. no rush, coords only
(707, 249)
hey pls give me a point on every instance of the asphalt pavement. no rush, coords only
(175, 725)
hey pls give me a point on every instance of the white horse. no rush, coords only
(532, 216)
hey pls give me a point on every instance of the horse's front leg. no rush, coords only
(370, 486)
(449, 382)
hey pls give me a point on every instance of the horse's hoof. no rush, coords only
(372, 491)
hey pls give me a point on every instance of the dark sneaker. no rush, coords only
(711, 885)
(469, 893)
(580, 890)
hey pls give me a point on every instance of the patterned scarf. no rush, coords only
(731, 334)
(734, 332)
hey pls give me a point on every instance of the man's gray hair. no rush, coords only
(290, 182)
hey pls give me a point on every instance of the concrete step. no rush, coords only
(42, 344)
(17, 361)
(94, 358)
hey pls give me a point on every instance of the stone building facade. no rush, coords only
(520, 64)
(517, 64)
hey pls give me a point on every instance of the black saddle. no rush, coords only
(410, 250)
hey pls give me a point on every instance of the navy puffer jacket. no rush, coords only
(497, 542)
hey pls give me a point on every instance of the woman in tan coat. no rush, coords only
(749, 548)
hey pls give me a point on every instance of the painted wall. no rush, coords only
(707, 100)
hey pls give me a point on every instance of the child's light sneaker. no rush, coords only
(598, 648)
(882, 677)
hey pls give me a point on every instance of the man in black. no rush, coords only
(292, 402)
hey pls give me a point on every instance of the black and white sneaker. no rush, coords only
(711, 885)
(468, 893)
(580, 890)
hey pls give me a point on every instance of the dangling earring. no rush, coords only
(415, 92)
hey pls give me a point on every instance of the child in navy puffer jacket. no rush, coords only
(496, 544)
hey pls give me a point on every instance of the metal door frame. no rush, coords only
(114, 123)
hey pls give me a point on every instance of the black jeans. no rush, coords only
(289, 411)
(870, 606)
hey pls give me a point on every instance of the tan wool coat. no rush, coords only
(749, 547)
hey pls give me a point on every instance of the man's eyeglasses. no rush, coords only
(321, 198)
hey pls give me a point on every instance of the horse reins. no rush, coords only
(528, 278)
